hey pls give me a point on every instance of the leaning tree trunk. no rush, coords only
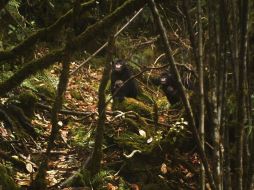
(40, 181)
(93, 164)
(182, 91)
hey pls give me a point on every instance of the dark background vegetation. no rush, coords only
(60, 128)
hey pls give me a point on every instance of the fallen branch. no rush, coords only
(67, 112)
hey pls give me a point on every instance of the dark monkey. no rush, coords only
(169, 87)
(120, 73)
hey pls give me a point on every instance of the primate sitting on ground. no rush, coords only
(169, 87)
(120, 73)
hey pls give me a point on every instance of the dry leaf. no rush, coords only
(149, 140)
(142, 132)
(164, 169)
(29, 167)
(110, 186)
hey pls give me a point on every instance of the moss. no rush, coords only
(6, 182)
(138, 123)
(27, 101)
(47, 91)
(76, 94)
(130, 104)
(162, 102)
(144, 97)
(77, 181)
(132, 141)
(148, 54)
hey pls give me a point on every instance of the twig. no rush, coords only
(64, 111)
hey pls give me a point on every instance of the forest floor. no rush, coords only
(175, 167)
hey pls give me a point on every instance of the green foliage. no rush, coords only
(97, 62)
(43, 83)
(123, 185)
(27, 101)
(83, 178)
(177, 132)
(76, 94)
(28, 84)
(5, 75)
(6, 182)
(82, 137)
(145, 97)
(101, 179)
(14, 3)
(77, 180)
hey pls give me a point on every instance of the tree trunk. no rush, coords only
(94, 163)
(39, 183)
(241, 95)
(201, 91)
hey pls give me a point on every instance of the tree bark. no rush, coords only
(201, 91)
(241, 93)
(94, 163)
(39, 183)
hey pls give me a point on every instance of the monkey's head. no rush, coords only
(166, 78)
(119, 65)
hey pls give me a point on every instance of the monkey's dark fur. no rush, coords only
(120, 73)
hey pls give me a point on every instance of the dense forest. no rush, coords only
(126, 94)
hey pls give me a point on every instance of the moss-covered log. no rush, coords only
(30, 69)
(130, 104)
(40, 34)
(78, 43)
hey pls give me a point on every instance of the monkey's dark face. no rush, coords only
(166, 79)
(119, 66)
(163, 80)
